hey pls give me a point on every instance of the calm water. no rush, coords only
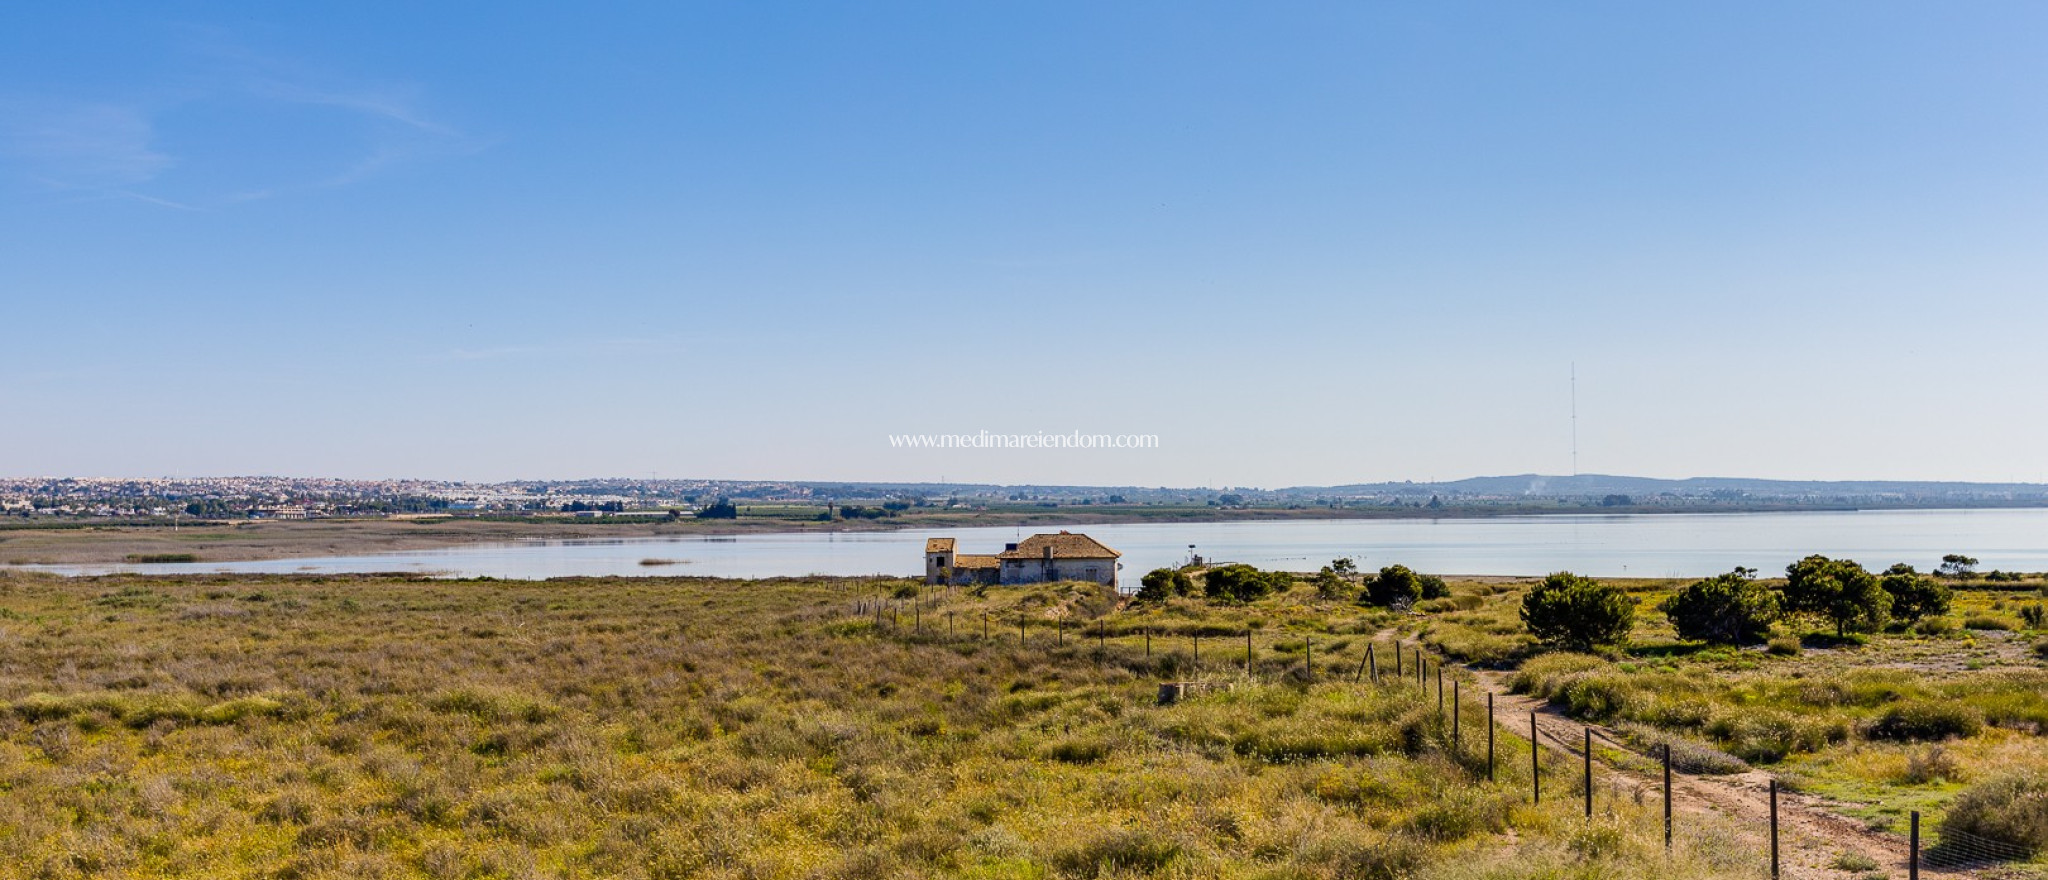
(1654, 545)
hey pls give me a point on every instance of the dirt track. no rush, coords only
(1811, 834)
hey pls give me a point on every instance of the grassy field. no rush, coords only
(293, 727)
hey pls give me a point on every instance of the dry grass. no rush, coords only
(290, 727)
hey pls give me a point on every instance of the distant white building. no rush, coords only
(1038, 559)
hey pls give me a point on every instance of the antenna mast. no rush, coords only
(1575, 418)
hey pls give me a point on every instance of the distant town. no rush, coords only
(285, 498)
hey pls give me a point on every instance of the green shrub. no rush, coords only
(1547, 675)
(1159, 584)
(1079, 751)
(1578, 613)
(1728, 609)
(1433, 587)
(1838, 591)
(1785, 646)
(1394, 858)
(1118, 851)
(1243, 583)
(1914, 595)
(2035, 615)
(1935, 626)
(1458, 813)
(2011, 809)
(1927, 720)
(1986, 622)
(1687, 755)
(1394, 586)
(1767, 736)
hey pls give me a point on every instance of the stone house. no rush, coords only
(1038, 559)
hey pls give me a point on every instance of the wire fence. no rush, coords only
(1557, 766)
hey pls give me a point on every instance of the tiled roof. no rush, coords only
(1065, 545)
(969, 560)
(938, 545)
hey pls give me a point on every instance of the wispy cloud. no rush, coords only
(86, 144)
(110, 147)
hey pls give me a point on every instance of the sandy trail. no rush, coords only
(1811, 834)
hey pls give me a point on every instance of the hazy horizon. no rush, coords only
(1786, 242)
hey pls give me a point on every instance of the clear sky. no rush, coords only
(1301, 243)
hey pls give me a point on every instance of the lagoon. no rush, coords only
(1610, 545)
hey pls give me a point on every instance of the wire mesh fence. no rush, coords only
(1557, 767)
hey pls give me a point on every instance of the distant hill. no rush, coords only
(1585, 485)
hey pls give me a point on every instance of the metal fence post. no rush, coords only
(1589, 771)
(1774, 829)
(1308, 650)
(1535, 762)
(1913, 861)
(1667, 796)
(1456, 697)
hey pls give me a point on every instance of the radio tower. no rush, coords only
(1575, 418)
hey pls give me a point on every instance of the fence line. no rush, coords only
(1955, 851)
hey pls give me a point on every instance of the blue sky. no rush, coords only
(1301, 243)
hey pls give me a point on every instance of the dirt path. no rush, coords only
(1811, 834)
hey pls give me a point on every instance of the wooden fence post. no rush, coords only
(1308, 650)
(1535, 762)
(1774, 829)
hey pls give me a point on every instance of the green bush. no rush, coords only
(2012, 809)
(1728, 609)
(1935, 626)
(1687, 755)
(1433, 587)
(1160, 584)
(2034, 616)
(1785, 646)
(1547, 675)
(1914, 595)
(1927, 720)
(1118, 851)
(1243, 583)
(1577, 613)
(1395, 585)
(1986, 622)
(1838, 591)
